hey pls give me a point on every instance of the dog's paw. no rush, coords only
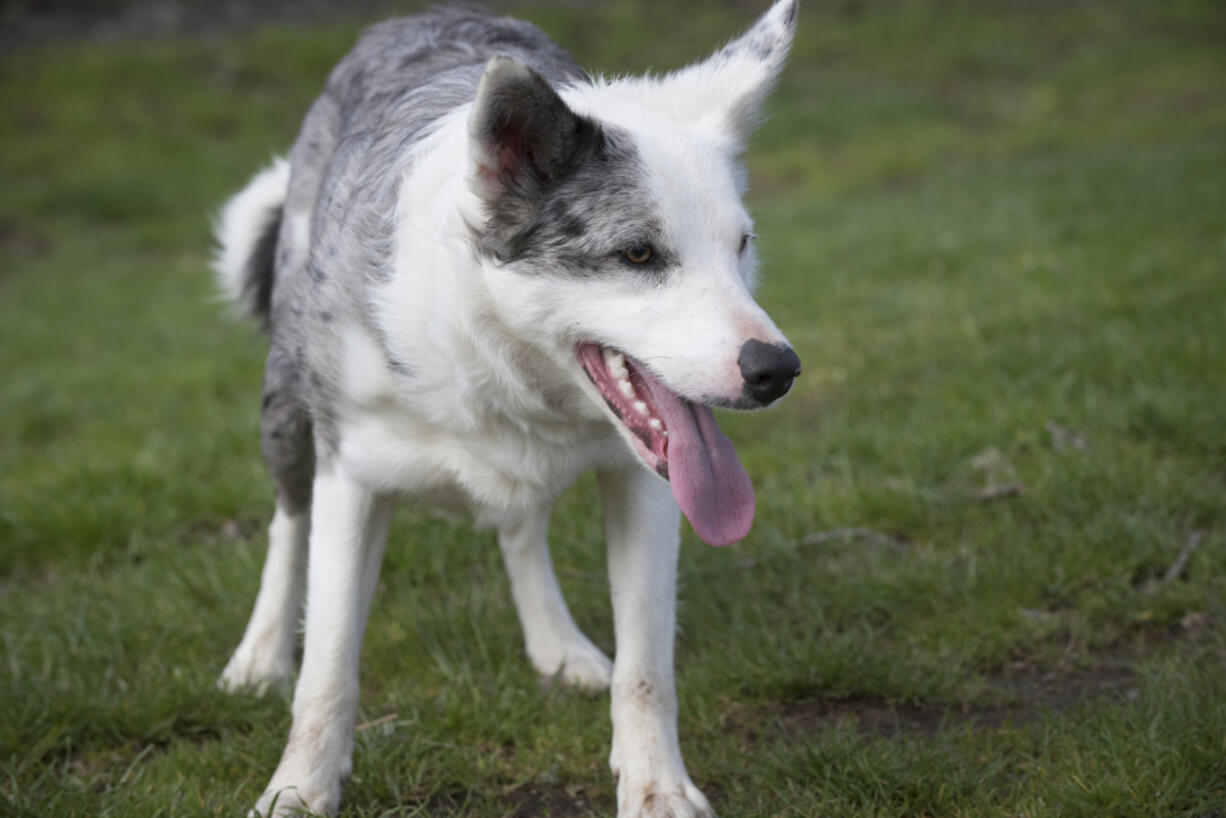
(654, 799)
(255, 672)
(581, 665)
(286, 800)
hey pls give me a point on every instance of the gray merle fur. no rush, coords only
(588, 219)
(285, 434)
(399, 80)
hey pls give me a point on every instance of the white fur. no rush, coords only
(265, 656)
(722, 97)
(240, 224)
(497, 418)
(641, 527)
(476, 316)
(349, 525)
(556, 646)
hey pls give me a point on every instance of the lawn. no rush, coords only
(988, 574)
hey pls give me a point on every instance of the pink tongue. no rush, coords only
(707, 478)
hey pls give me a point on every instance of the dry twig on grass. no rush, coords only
(366, 725)
(1000, 491)
(1176, 569)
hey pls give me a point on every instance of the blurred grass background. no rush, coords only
(995, 233)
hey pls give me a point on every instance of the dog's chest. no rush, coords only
(483, 471)
(445, 437)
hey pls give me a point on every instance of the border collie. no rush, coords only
(482, 272)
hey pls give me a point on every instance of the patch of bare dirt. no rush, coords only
(1011, 698)
(554, 801)
(543, 798)
(20, 240)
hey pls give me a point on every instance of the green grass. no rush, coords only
(977, 220)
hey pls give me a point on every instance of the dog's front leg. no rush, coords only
(349, 527)
(556, 646)
(642, 526)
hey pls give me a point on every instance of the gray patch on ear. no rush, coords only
(525, 141)
(586, 219)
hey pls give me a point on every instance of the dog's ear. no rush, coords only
(726, 91)
(523, 139)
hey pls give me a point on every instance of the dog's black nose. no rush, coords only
(768, 370)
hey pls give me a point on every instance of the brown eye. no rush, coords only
(639, 254)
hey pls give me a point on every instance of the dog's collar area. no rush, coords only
(625, 392)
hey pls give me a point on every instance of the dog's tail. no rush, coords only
(246, 232)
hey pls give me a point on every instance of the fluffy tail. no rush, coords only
(246, 233)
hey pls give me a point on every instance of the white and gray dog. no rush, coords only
(482, 272)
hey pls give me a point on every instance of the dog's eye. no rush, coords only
(639, 254)
(745, 242)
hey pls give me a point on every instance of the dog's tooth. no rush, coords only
(626, 387)
(641, 408)
(615, 362)
(656, 424)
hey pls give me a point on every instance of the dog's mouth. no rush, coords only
(680, 441)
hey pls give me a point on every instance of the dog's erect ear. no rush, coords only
(523, 139)
(726, 91)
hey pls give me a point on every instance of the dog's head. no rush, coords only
(613, 231)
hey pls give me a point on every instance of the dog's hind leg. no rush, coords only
(349, 525)
(556, 646)
(642, 525)
(265, 656)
